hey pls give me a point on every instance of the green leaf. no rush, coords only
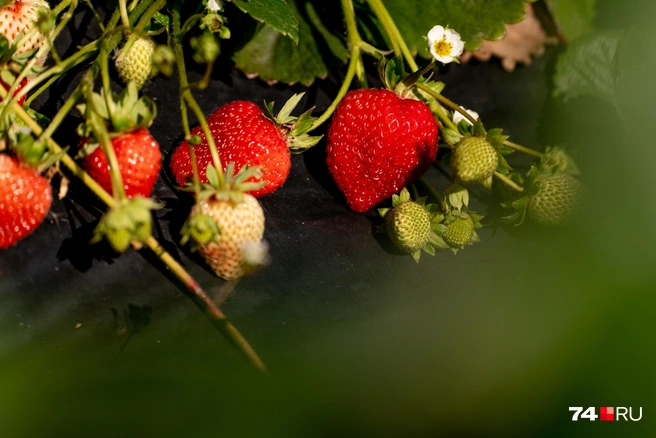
(474, 20)
(574, 17)
(275, 58)
(277, 15)
(588, 66)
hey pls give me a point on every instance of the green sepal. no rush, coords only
(404, 196)
(487, 182)
(457, 197)
(298, 139)
(428, 248)
(465, 128)
(301, 143)
(126, 113)
(479, 129)
(416, 255)
(437, 242)
(503, 166)
(451, 137)
(391, 72)
(235, 185)
(200, 230)
(383, 211)
(131, 221)
(496, 138)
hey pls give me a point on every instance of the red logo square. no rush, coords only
(606, 413)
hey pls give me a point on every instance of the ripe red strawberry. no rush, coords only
(243, 135)
(17, 16)
(378, 143)
(25, 198)
(139, 159)
(21, 101)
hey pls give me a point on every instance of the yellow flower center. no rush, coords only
(443, 47)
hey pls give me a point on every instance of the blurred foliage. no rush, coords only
(574, 17)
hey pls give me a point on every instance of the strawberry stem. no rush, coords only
(448, 103)
(508, 181)
(354, 38)
(123, 7)
(192, 153)
(207, 305)
(521, 148)
(432, 192)
(446, 121)
(186, 97)
(196, 293)
(393, 33)
(355, 64)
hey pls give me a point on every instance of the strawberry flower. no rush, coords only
(445, 44)
(457, 117)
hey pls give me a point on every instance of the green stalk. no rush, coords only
(393, 33)
(55, 73)
(523, 149)
(186, 96)
(192, 153)
(354, 38)
(432, 192)
(508, 181)
(208, 306)
(454, 106)
(446, 121)
(125, 19)
(350, 74)
(354, 64)
(378, 7)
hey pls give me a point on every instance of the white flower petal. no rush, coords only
(214, 5)
(457, 117)
(436, 34)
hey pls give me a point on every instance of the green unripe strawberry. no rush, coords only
(474, 159)
(557, 200)
(136, 64)
(459, 232)
(409, 226)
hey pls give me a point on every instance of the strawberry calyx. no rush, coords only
(124, 114)
(200, 229)
(554, 160)
(412, 225)
(31, 152)
(295, 128)
(130, 221)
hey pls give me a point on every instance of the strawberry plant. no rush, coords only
(380, 139)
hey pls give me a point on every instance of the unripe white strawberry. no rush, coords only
(241, 228)
(20, 16)
(136, 64)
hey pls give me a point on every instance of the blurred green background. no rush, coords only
(543, 322)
